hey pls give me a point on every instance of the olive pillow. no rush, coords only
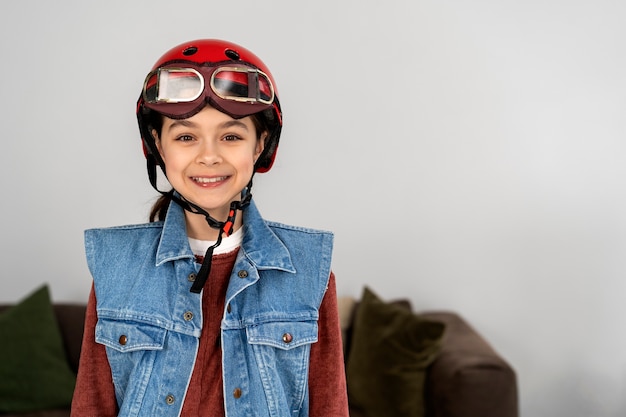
(34, 372)
(390, 349)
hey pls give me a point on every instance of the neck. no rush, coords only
(198, 228)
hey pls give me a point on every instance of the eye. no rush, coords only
(231, 138)
(184, 138)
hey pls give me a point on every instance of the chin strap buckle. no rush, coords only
(229, 224)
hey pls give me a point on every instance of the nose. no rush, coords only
(208, 153)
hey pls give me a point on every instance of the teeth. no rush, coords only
(209, 180)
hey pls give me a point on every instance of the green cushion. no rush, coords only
(389, 352)
(34, 373)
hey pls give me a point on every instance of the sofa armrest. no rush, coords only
(468, 378)
(71, 319)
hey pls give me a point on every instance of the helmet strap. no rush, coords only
(223, 227)
(205, 269)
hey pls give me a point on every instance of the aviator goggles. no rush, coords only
(179, 91)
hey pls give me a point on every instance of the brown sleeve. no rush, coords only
(327, 379)
(94, 395)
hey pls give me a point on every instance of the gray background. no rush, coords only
(469, 155)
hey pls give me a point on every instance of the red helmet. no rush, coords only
(222, 74)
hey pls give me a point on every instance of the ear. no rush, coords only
(157, 141)
(260, 145)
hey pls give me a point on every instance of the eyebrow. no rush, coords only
(226, 124)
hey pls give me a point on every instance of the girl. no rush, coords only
(210, 310)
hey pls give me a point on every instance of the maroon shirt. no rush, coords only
(94, 395)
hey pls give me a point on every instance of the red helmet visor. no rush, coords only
(177, 91)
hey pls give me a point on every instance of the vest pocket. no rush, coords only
(132, 349)
(281, 350)
(284, 335)
(125, 336)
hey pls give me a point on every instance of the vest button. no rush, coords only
(188, 316)
(191, 277)
(237, 393)
(242, 274)
(228, 308)
(169, 400)
(287, 338)
(123, 340)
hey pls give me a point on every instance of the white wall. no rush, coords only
(468, 154)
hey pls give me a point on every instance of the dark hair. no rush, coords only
(159, 208)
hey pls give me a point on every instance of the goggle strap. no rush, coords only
(253, 84)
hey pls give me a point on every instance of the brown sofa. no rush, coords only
(468, 378)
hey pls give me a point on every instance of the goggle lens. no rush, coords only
(173, 85)
(242, 84)
(184, 85)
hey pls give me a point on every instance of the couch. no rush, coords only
(71, 320)
(466, 379)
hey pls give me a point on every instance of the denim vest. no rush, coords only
(150, 322)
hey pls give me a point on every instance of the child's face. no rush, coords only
(209, 157)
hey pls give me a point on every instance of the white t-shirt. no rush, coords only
(230, 243)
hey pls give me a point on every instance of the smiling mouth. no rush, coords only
(204, 180)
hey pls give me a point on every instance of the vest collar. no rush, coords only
(260, 244)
